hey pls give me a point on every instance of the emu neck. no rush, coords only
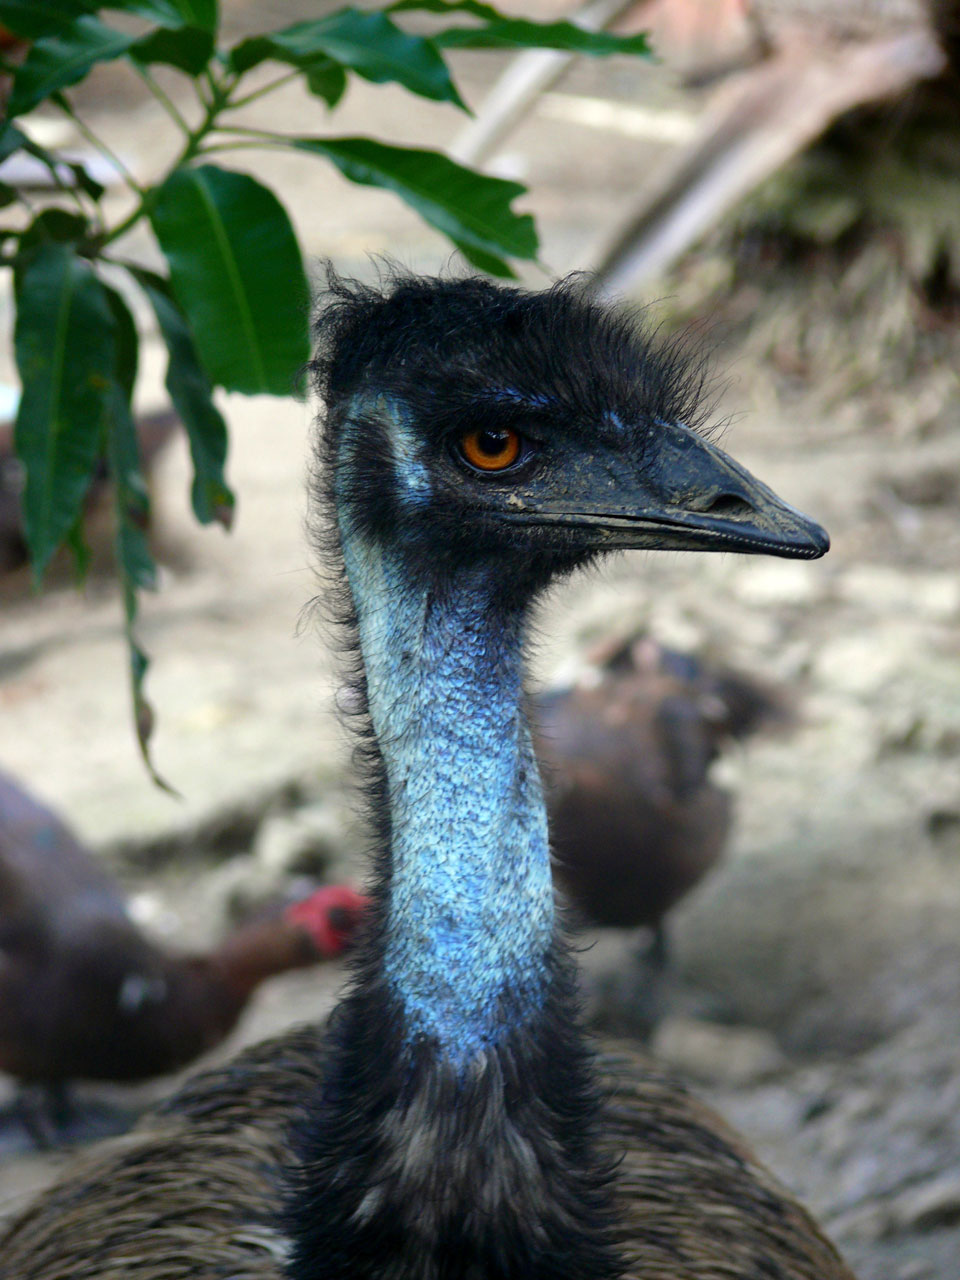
(257, 952)
(469, 901)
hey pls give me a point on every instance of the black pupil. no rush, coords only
(492, 442)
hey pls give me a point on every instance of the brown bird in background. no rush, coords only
(86, 995)
(635, 821)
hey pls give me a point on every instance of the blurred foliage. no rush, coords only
(232, 309)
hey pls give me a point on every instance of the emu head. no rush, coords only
(470, 422)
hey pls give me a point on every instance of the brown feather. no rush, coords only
(202, 1178)
(635, 819)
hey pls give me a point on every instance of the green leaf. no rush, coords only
(483, 261)
(64, 344)
(84, 181)
(135, 564)
(516, 33)
(238, 276)
(192, 395)
(36, 18)
(475, 8)
(7, 195)
(59, 225)
(473, 210)
(144, 717)
(126, 342)
(202, 14)
(132, 498)
(365, 42)
(134, 559)
(327, 81)
(80, 549)
(11, 140)
(502, 31)
(55, 62)
(189, 49)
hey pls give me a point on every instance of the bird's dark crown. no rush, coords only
(568, 375)
(452, 348)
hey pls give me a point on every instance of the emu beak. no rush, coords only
(689, 497)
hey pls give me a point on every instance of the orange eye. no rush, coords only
(491, 450)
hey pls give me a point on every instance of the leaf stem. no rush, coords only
(265, 89)
(72, 191)
(192, 147)
(213, 86)
(162, 97)
(98, 143)
(252, 144)
(254, 135)
(198, 90)
(123, 227)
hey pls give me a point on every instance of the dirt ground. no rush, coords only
(817, 998)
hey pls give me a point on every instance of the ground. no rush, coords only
(818, 997)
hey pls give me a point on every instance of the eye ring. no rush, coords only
(490, 449)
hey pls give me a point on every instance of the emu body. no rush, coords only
(448, 1123)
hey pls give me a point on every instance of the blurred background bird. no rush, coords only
(85, 994)
(636, 820)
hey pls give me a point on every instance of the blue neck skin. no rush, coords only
(470, 915)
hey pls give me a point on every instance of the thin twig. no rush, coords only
(278, 142)
(268, 135)
(98, 143)
(123, 227)
(265, 89)
(162, 97)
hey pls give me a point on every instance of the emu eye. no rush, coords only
(492, 449)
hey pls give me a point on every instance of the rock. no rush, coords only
(149, 910)
(888, 591)
(943, 825)
(929, 487)
(929, 1206)
(778, 583)
(865, 1224)
(306, 841)
(863, 663)
(242, 886)
(732, 1056)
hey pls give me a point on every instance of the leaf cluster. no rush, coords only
(231, 304)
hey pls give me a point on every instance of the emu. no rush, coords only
(635, 819)
(86, 995)
(450, 1121)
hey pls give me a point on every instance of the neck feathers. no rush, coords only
(414, 1169)
(468, 895)
(455, 1135)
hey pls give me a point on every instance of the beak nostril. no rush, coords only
(728, 505)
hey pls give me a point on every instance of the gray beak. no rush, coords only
(690, 497)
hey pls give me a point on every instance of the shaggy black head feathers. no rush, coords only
(450, 346)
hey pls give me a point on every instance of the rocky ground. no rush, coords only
(817, 1001)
